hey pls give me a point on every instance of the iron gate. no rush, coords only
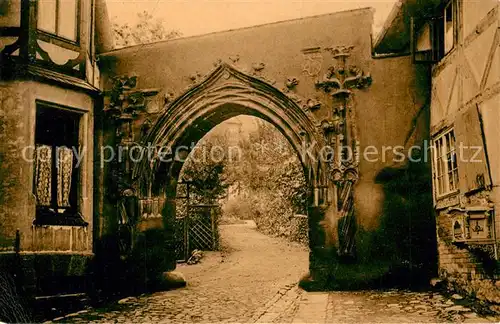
(201, 227)
(195, 225)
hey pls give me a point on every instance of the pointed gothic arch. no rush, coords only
(225, 93)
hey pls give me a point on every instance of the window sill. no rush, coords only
(45, 217)
(446, 201)
(447, 195)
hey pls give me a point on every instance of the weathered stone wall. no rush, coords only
(15, 188)
(388, 112)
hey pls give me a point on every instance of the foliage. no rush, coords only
(272, 166)
(11, 306)
(266, 183)
(206, 175)
(236, 209)
(145, 30)
(272, 185)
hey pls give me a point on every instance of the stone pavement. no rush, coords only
(254, 280)
(393, 306)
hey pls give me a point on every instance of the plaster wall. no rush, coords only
(474, 12)
(10, 13)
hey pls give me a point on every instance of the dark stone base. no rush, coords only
(358, 276)
(173, 280)
(119, 273)
(34, 281)
(308, 283)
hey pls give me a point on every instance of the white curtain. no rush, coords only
(43, 174)
(64, 173)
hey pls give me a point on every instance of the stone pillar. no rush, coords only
(321, 254)
(153, 251)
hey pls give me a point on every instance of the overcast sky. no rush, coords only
(195, 17)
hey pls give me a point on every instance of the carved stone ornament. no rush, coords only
(195, 77)
(295, 97)
(217, 63)
(128, 192)
(344, 173)
(168, 98)
(223, 84)
(340, 51)
(333, 125)
(234, 58)
(258, 67)
(472, 225)
(341, 132)
(342, 80)
(313, 104)
(123, 101)
(313, 61)
(291, 83)
(478, 199)
(146, 126)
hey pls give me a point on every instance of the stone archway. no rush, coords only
(226, 93)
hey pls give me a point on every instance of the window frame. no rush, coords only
(55, 35)
(442, 174)
(74, 211)
(454, 11)
(437, 26)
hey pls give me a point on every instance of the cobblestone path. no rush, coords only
(254, 280)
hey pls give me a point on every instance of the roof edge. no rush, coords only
(111, 52)
(395, 12)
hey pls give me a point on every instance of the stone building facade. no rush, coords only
(459, 39)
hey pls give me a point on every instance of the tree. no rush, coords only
(267, 176)
(272, 184)
(146, 30)
(205, 171)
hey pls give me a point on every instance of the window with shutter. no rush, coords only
(472, 160)
(424, 42)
